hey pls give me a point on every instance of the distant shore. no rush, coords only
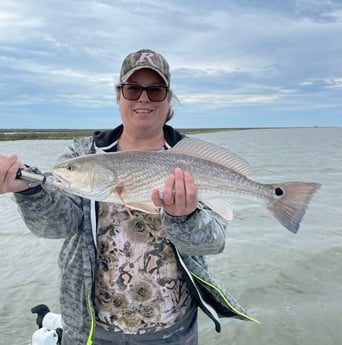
(53, 134)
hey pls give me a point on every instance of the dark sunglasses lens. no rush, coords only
(155, 93)
(131, 92)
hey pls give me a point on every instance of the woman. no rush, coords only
(131, 278)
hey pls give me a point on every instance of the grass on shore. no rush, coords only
(53, 134)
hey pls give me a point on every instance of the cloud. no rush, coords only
(238, 54)
(212, 101)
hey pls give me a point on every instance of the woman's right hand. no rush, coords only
(9, 166)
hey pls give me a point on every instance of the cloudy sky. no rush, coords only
(238, 63)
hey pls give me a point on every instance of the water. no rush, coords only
(291, 283)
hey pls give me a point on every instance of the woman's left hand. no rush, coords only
(179, 196)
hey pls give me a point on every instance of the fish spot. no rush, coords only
(70, 167)
(279, 191)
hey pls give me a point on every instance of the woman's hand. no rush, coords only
(179, 196)
(8, 172)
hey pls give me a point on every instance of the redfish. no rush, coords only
(128, 177)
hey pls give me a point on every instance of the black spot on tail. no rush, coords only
(279, 191)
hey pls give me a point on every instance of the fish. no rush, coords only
(128, 177)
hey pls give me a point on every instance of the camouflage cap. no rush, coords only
(145, 58)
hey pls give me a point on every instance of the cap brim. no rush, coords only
(125, 78)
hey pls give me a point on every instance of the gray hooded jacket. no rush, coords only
(61, 215)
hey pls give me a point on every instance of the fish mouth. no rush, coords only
(61, 182)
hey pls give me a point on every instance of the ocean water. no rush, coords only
(291, 283)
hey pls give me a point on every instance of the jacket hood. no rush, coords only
(106, 140)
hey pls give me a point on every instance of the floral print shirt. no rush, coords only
(139, 286)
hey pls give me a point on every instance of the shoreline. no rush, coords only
(65, 134)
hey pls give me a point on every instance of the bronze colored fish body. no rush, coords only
(128, 177)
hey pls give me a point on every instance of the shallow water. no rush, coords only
(291, 283)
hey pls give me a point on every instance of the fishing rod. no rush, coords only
(34, 177)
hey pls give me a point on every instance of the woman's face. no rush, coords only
(144, 113)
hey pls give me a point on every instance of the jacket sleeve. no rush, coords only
(50, 214)
(53, 214)
(201, 233)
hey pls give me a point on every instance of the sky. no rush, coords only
(238, 63)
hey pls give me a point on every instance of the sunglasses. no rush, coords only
(155, 93)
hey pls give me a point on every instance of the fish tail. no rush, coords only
(291, 201)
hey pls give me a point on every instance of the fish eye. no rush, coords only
(69, 167)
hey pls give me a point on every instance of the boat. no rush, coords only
(50, 329)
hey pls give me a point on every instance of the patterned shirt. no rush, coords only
(139, 286)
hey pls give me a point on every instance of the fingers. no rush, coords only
(164, 197)
(191, 190)
(179, 194)
(6, 163)
(170, 189)
(8, 171)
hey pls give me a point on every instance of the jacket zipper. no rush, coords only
(208, 309)
(230, 305)
(92, 322)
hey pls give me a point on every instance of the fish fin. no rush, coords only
(119, 188)
(214, 153)
(126, 207)
(221, 207)
(291, 201)
(147, 207)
